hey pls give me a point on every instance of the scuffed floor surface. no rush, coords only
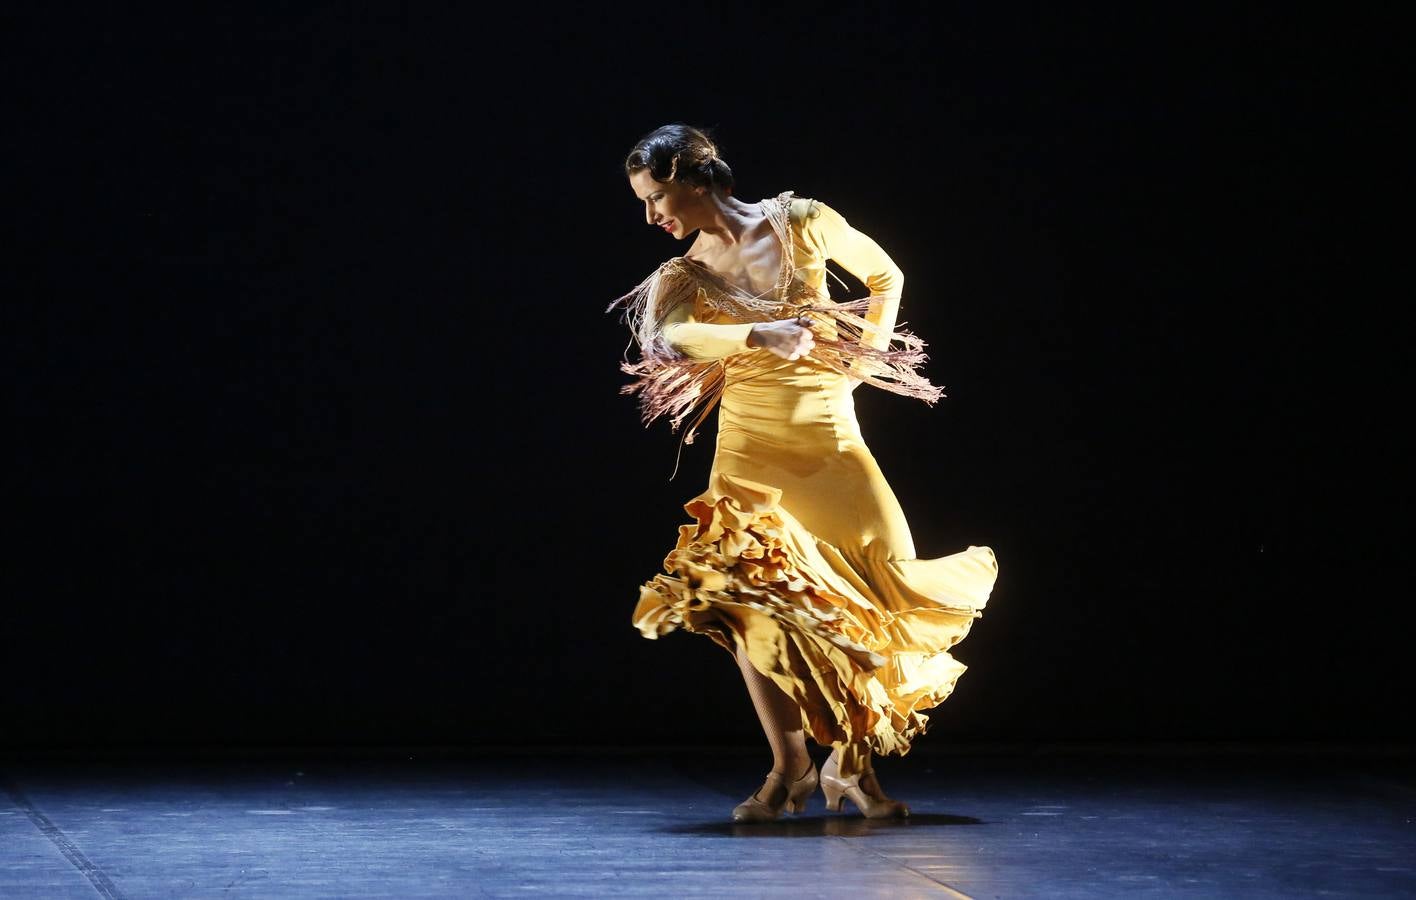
(595, 825)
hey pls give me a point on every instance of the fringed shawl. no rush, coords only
(670, 383)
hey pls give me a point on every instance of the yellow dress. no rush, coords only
(798, 550)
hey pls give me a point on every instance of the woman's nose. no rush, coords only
(649, 214)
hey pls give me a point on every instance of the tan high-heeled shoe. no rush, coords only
(874, 806)
(755, 810)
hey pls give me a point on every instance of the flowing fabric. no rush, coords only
(798, 552)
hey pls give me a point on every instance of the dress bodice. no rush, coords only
(692, 326)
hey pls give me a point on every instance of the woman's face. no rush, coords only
(669, 205)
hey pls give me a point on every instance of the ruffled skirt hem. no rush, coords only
(861, 644)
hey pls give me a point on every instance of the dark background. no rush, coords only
(316, 432)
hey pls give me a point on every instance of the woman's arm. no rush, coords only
(787, 338)
(701, 340)
(864, 259)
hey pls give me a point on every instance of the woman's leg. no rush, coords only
(781, 721)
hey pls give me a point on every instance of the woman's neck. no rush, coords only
(728, 220)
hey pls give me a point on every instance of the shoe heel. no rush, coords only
(833, 794)
(802, 788)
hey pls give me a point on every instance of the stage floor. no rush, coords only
(660, 825)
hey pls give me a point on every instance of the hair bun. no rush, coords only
(681, 153)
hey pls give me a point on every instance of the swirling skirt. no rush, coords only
(855, 634)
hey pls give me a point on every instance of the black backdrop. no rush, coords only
(317, 433)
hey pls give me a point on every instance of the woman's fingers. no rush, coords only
(804, 340)
(790, 338)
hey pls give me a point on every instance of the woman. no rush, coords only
(799, 561)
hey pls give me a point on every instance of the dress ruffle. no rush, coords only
(859, 643)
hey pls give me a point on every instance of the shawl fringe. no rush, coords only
(673, 385)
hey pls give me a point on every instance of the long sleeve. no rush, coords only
(701, 340)
(862, 257)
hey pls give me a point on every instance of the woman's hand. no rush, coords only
(787, 338)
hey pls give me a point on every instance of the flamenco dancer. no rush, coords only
(798, 560)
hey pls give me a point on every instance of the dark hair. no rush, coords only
(680, 153)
